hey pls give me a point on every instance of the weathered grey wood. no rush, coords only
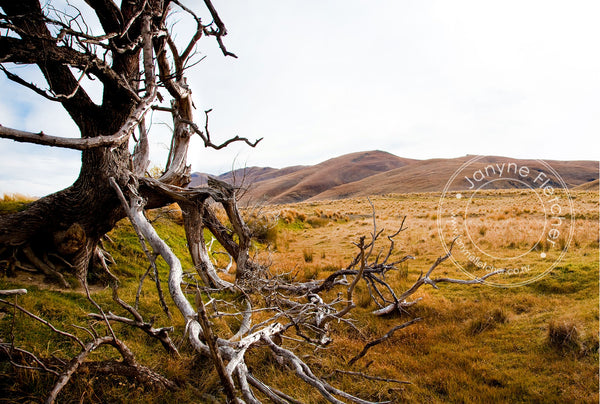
(11, 292)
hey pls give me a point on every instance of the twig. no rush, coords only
(74, 365)
(350, 305)
(8, 350)
(206, 135)
(211, 340)
(380, 340)
(220, 31)
(45, 322)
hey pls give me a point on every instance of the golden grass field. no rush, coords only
(476, 343)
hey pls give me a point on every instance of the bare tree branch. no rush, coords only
(206, 135)
(43, 93)
(68, 143)
(10, 350)
(304, 372)
(221, 31)
(45, 322)
(108, 13)
(10, 292)
(211, 340)
(74, 365)
(121, 136)
(378, 341)
(144, 229)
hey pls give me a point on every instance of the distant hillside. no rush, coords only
(432, 175)
(310, 181)
(588, 186)
(245, 176)
(378, 173)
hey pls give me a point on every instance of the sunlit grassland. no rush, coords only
(475, 343)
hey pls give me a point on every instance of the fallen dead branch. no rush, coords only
(378, 341)
(65, 370)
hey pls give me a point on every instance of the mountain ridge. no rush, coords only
(378, 172)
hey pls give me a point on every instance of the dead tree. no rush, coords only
(141, 67)
(139, 63)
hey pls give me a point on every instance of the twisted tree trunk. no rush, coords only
(60, 232)
(69, 223)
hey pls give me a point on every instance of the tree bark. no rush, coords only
(69, 224)
(194, 230)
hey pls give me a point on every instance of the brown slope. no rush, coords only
(421, 176)
(244, 176)
(313, 180)
(432, 176)
(251, 175)
(198, 179)
(588, 186)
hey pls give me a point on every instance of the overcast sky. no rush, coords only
(420, 79)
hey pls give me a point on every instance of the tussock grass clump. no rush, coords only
(483, 230)
(174, 213)
(310, 273)
(321, 218)
(171, 214)
(363, 298)
(317, 221)
(590, 346)
(308, 255)
(292, 215)
(488, 322)
(17, 197)
(264, 228)
(563, 336)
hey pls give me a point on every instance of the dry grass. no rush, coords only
(563, 335)
(17, 197)
(10, 203)
(535, 343)
(476, 344)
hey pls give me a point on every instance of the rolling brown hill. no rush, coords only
(588, 186)
(313, 180)
(245, 176)
(377, 172)
(432, 176)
